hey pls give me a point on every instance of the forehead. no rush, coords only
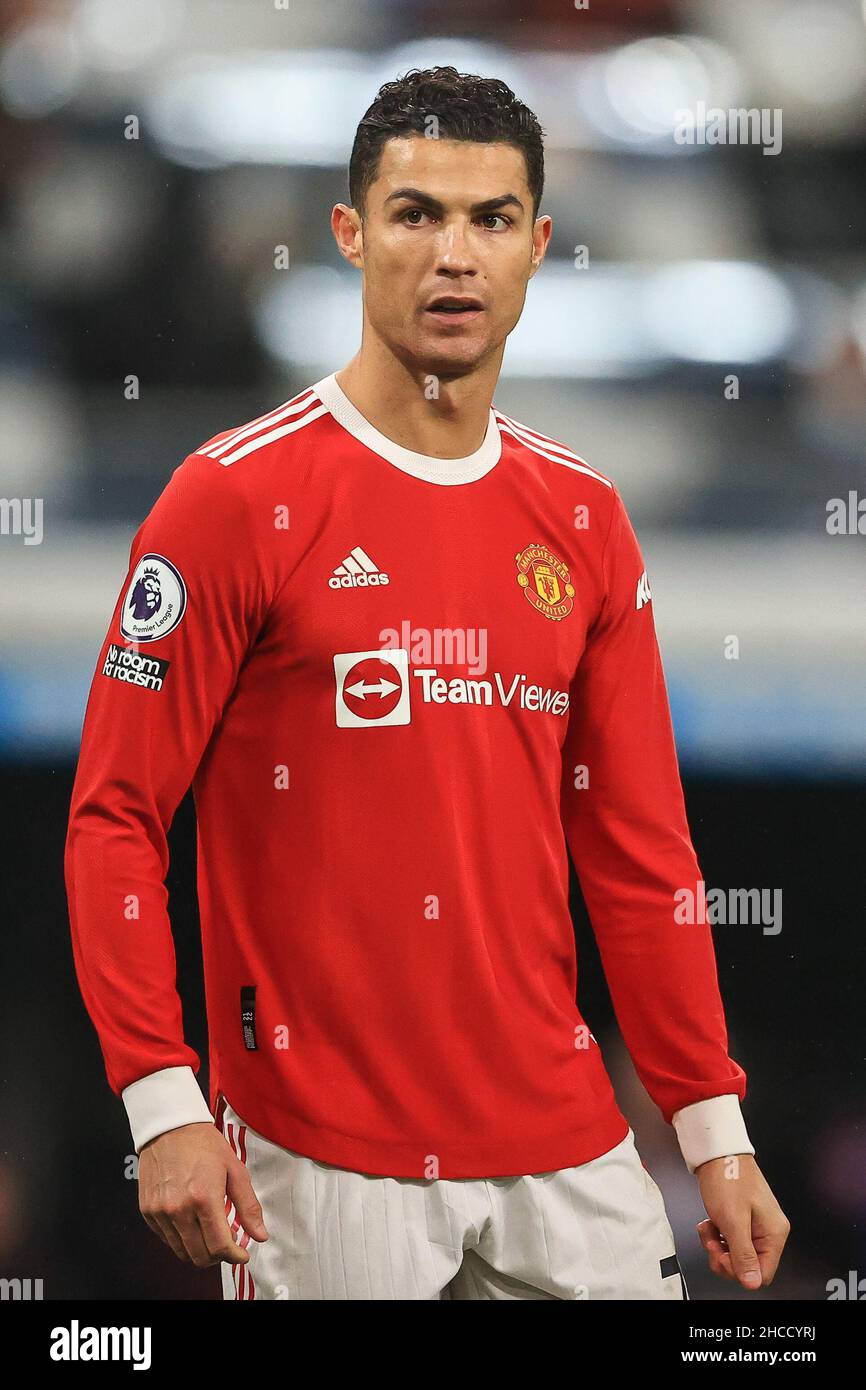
(451, 170)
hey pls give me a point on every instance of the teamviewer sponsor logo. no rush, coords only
(372, 688)
(440, 690)
(124, 664)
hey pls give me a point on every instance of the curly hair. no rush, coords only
(466, 107)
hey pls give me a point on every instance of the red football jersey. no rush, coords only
(399, 686)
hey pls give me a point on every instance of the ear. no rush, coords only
(541, 233)
(348, 234)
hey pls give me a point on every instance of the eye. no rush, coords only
(413, 216)
(489, 217)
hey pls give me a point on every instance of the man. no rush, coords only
(403, 648)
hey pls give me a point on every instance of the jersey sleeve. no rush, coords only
(624, 819)
(192, 603)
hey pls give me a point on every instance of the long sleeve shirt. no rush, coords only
(402, 689)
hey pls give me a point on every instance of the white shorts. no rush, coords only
(595, 1231)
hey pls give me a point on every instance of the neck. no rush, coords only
(444, 419)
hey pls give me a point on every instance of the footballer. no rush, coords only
(402, 647)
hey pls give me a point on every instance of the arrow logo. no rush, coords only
(381, 688)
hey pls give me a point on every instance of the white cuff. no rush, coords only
(711, 1128)
(162, 1101)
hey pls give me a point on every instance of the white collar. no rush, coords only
(431, 469)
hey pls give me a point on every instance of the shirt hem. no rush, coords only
(401, 1160)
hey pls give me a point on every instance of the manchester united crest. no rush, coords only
(545, 581)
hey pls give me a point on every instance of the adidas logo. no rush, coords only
(357, 572)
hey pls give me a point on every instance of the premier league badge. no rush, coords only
(155, 601)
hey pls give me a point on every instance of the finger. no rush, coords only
(152, 1222)
(716, 1247)
(223, 1243)
(743, 1255)
(769, 1248)
(238, 1253)
(154, 1226)
(769, 1263)
(249, 1212)
(711, 1237)
(166, 1232)
(185, 1223)
(721, 1265)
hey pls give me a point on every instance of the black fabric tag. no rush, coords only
(248, 1016)
(671, 1265)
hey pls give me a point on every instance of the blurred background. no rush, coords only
(698, 333)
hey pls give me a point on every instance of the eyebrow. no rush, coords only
(417, 195)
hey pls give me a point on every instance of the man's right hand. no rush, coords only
(184, 1177)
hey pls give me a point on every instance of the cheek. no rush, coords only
(391, 273)
(509, 291)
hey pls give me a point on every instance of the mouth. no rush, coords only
(452, 308)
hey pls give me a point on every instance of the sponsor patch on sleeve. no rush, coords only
(126, 664)
(155, 600)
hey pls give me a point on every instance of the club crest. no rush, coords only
(545, 581)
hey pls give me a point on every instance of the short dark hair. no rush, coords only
(466, 107)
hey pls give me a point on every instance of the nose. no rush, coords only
(454, 256)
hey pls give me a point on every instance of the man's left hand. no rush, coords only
(746, 1229)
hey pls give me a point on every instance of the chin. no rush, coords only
(449, 359)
